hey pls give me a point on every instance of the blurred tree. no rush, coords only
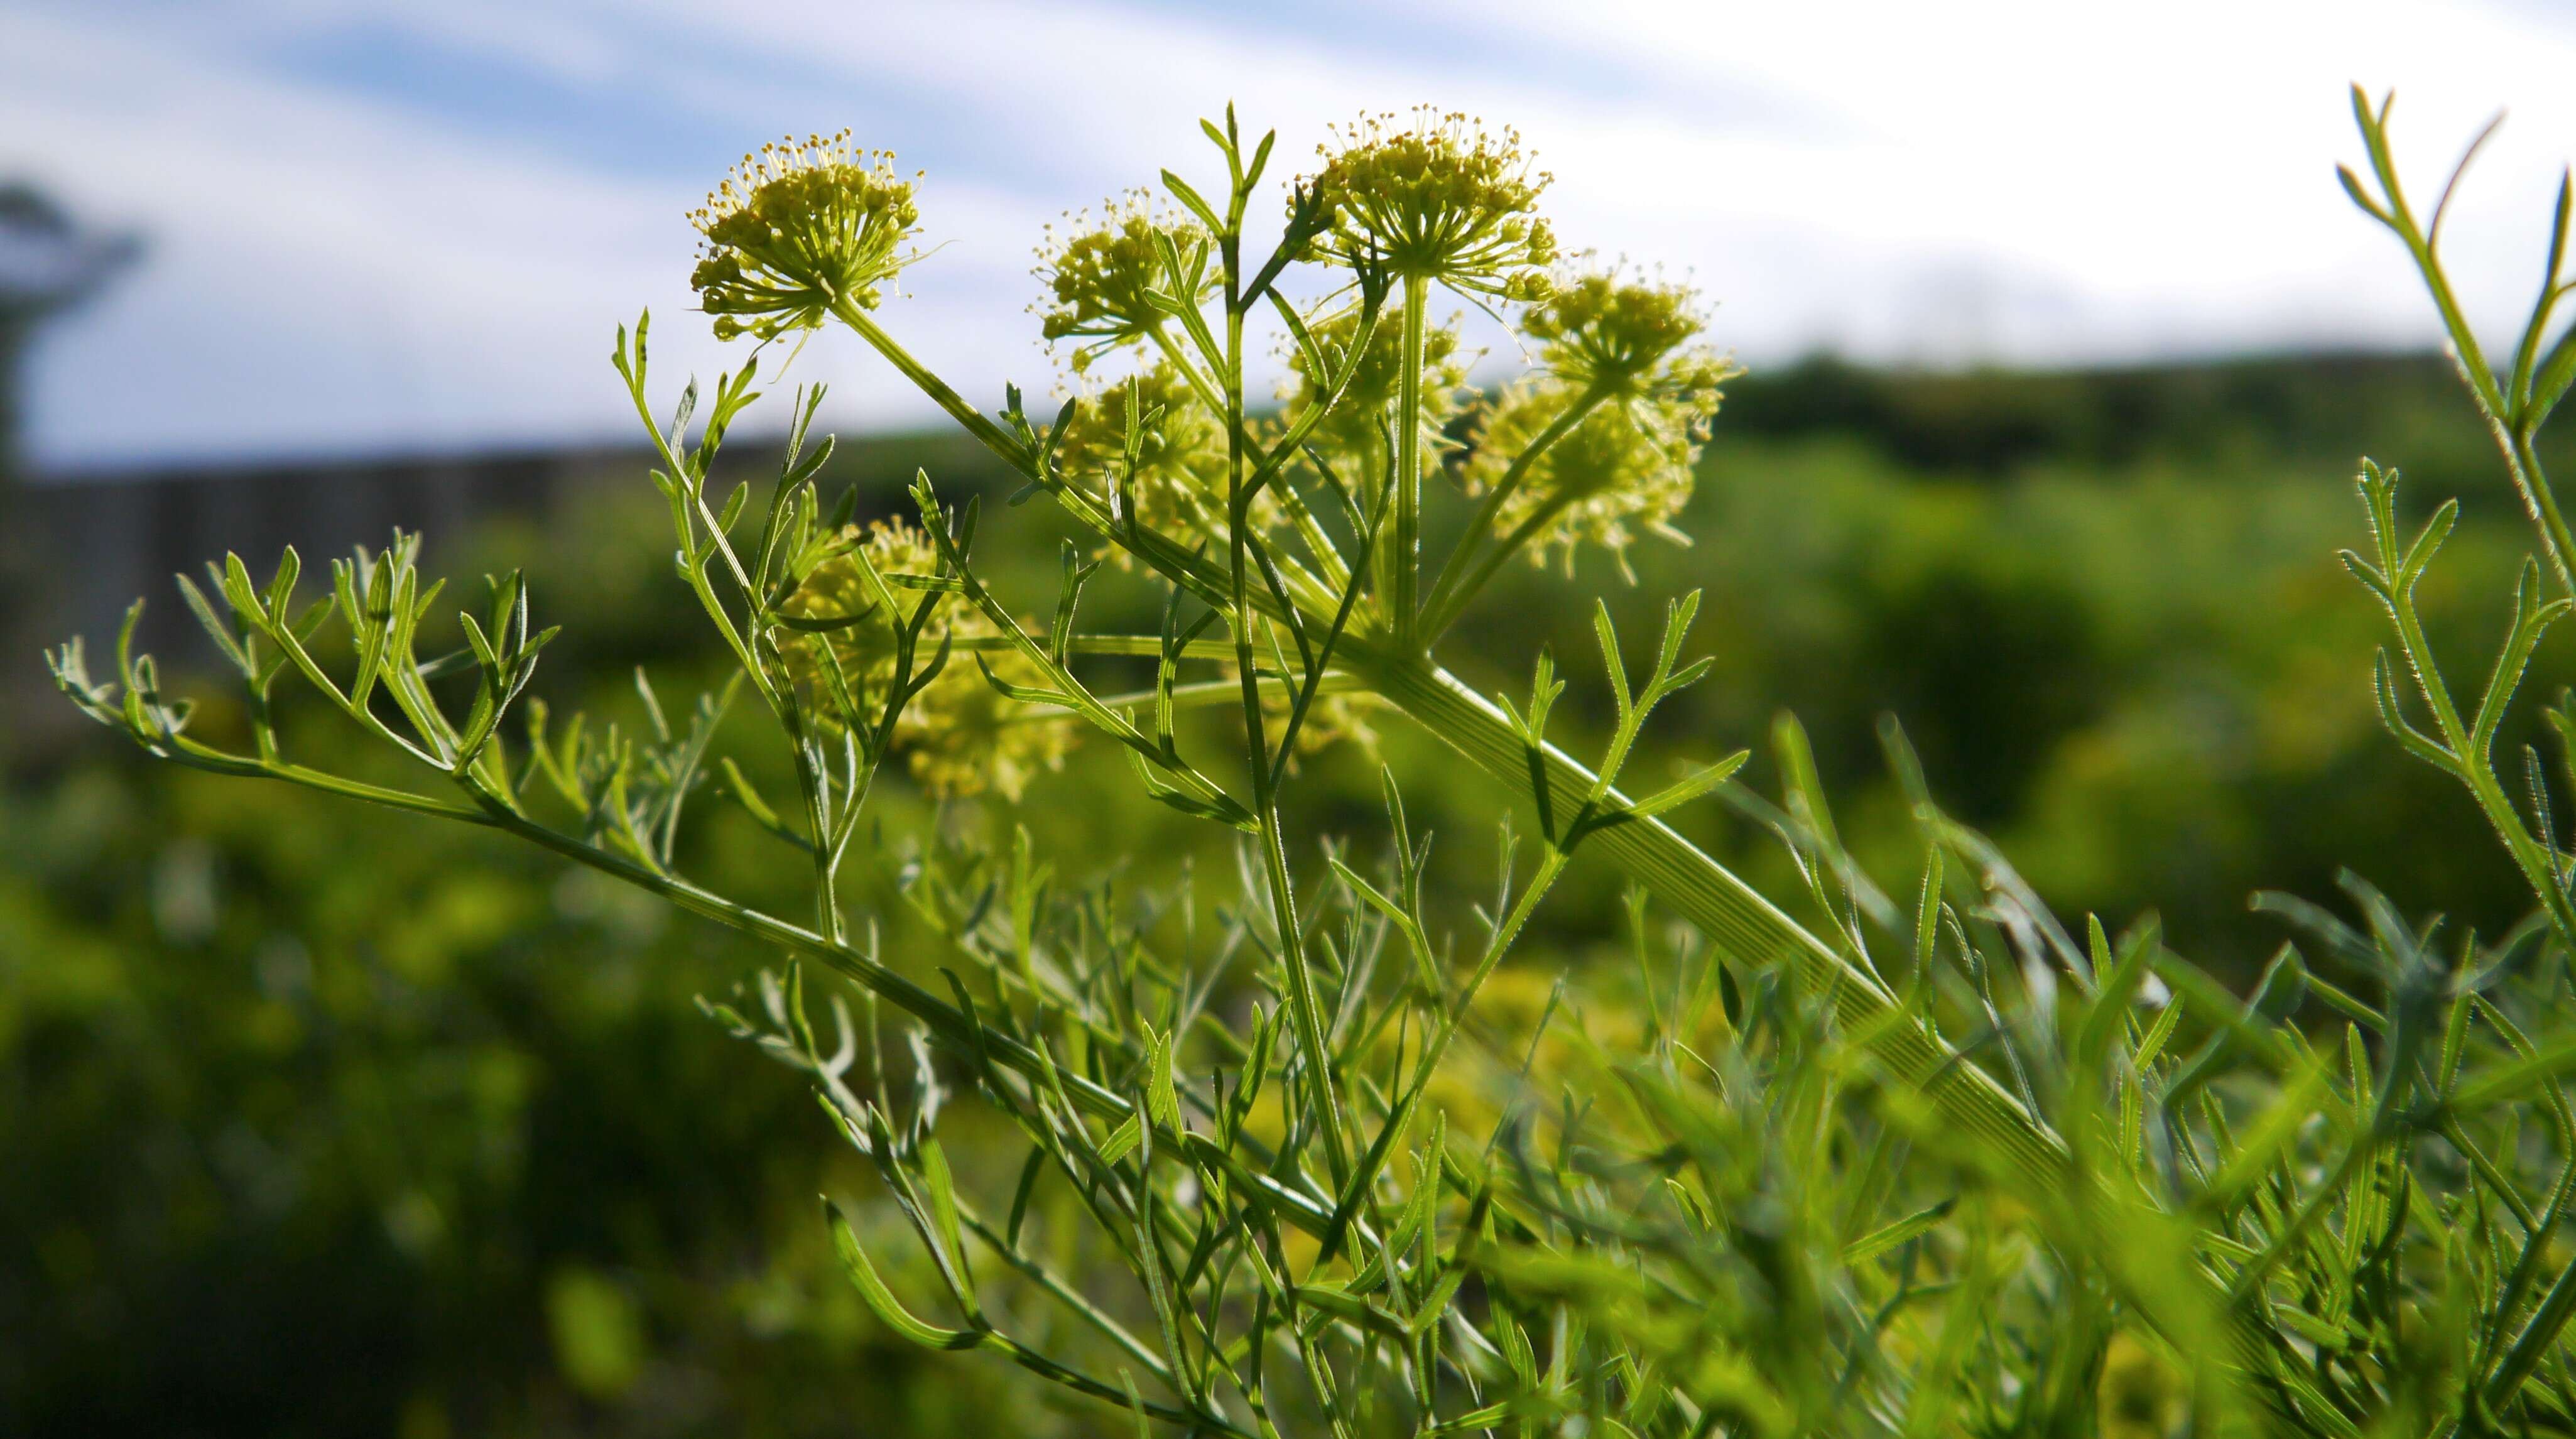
(48, 263)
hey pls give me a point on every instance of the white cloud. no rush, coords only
(325, 274)
(339, 265)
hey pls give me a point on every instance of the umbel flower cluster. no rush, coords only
(961, 737)
(796, 229)
(1109, 284)
(1594, 448)
(1437, 199)
(1628, 347)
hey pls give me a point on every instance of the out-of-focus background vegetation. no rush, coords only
(317, 1120)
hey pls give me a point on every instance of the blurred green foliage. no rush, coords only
(435, 1143)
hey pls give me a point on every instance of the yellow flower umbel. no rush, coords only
(960, 736)
(1625, 334)
(1178, 488)
(1627, 466)
(1440, 200)
(1358, 426)
(797, 228)
(1107, 284)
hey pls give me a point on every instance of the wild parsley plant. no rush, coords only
(1871, 1157)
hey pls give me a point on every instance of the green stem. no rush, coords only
(1454, 588)
(1309, 532)
(2533, 1344)
(2539, 500)
(826, 856)
(1305, 1006)
(1141, 646)
(1209, 692)
(1493, 560)
(2500, 408)
(2477, 772)
(1400, 562)
(1066, 1294)
(972, 420)
(1437, 1045)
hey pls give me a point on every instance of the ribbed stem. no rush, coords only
(1401, 565)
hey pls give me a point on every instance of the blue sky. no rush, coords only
(413, 224)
